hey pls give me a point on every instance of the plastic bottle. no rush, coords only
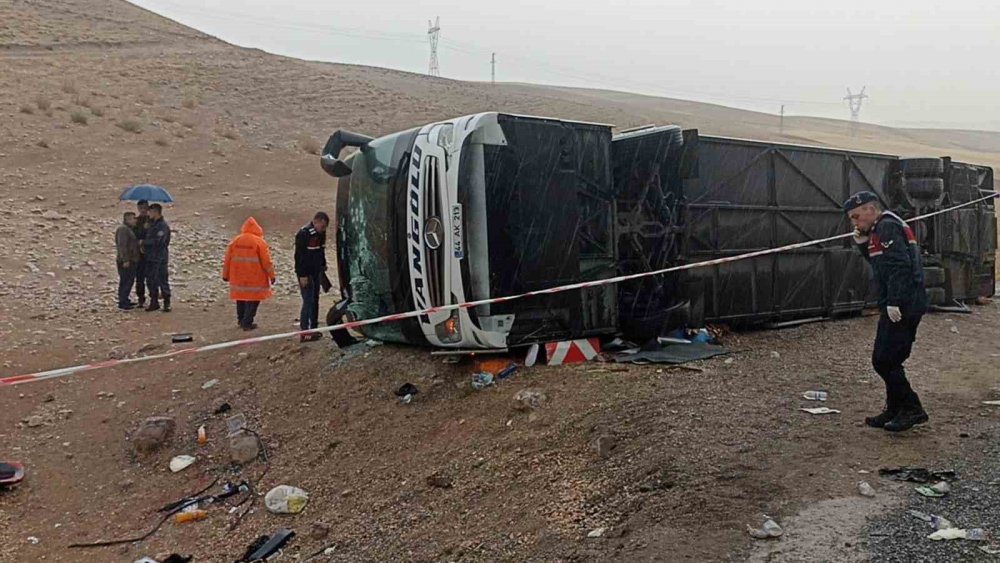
(190, 516)
(202, 436)
(975, 534)
(814, 395)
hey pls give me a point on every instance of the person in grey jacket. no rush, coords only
(156, 248)
(127, 259)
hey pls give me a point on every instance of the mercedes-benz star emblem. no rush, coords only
(433, 233)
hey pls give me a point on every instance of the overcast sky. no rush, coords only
(924, 62)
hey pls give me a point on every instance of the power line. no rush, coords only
(436, 41)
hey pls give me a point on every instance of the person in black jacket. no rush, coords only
(892, 250)
(310, 266)
(156, 249)
(141, 224)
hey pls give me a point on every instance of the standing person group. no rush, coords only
(143, 252)
(142, 242)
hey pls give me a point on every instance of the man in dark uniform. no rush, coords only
(141, 225)
(889, 245)
(156, 247)
(310, 265)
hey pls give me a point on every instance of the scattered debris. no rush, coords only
(532, 356)
(920, 515)
(210, 383)
(769, 530)
(954, 329)
(235, 424)
(775, 356)
(223, 408)
(656, 352)
(916, 474)
(992, 403)
(865, 489)
(285, 499)
(181, 337)
(815, 395)
(11, 473)
(407, 389)
(820, 410)
(482, 380)
(33, 540)
(936, 490)
(190, 515)
(507, 372)
(530, 399)
(202, 435)
(243, 448)
(35, 421)
(596, 533)
(153, 433)
(989, 550)
(266, 546)
(181, 462)
(948, 534)
(940, 522)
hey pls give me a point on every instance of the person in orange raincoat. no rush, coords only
(249, 271)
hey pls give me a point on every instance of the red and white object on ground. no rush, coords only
(572, 351)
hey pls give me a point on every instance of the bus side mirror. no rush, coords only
(330, 157)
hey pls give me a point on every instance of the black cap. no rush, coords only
(143, 203)
(859, 199)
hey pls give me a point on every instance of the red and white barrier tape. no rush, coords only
(62, 372)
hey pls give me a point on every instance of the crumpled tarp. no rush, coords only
(656, 352)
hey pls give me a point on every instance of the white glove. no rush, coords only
(859, 237)
(895, 315)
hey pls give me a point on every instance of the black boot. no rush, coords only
(166, 304)
(142, 301)
(887, 414)
(910, 414)
(154, 305)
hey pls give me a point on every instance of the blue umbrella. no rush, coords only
(148, 192)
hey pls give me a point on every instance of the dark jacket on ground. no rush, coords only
(156, 245)
(127, 245)
(894, 255)
(310, 252)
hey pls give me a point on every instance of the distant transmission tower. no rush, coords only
(854, 102)
(493, 69)
(433, 34)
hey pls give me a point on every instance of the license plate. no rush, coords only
(457, 242)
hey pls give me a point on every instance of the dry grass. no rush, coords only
(310, 145)
(190, 103)
(82, 101)
(130, 125)
(25, 108)
(78, 117)
(99, 112)
(43, 103)
(69, 86)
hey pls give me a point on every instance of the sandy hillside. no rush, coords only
(97, 95)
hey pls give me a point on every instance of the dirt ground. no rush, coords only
(86, 109)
